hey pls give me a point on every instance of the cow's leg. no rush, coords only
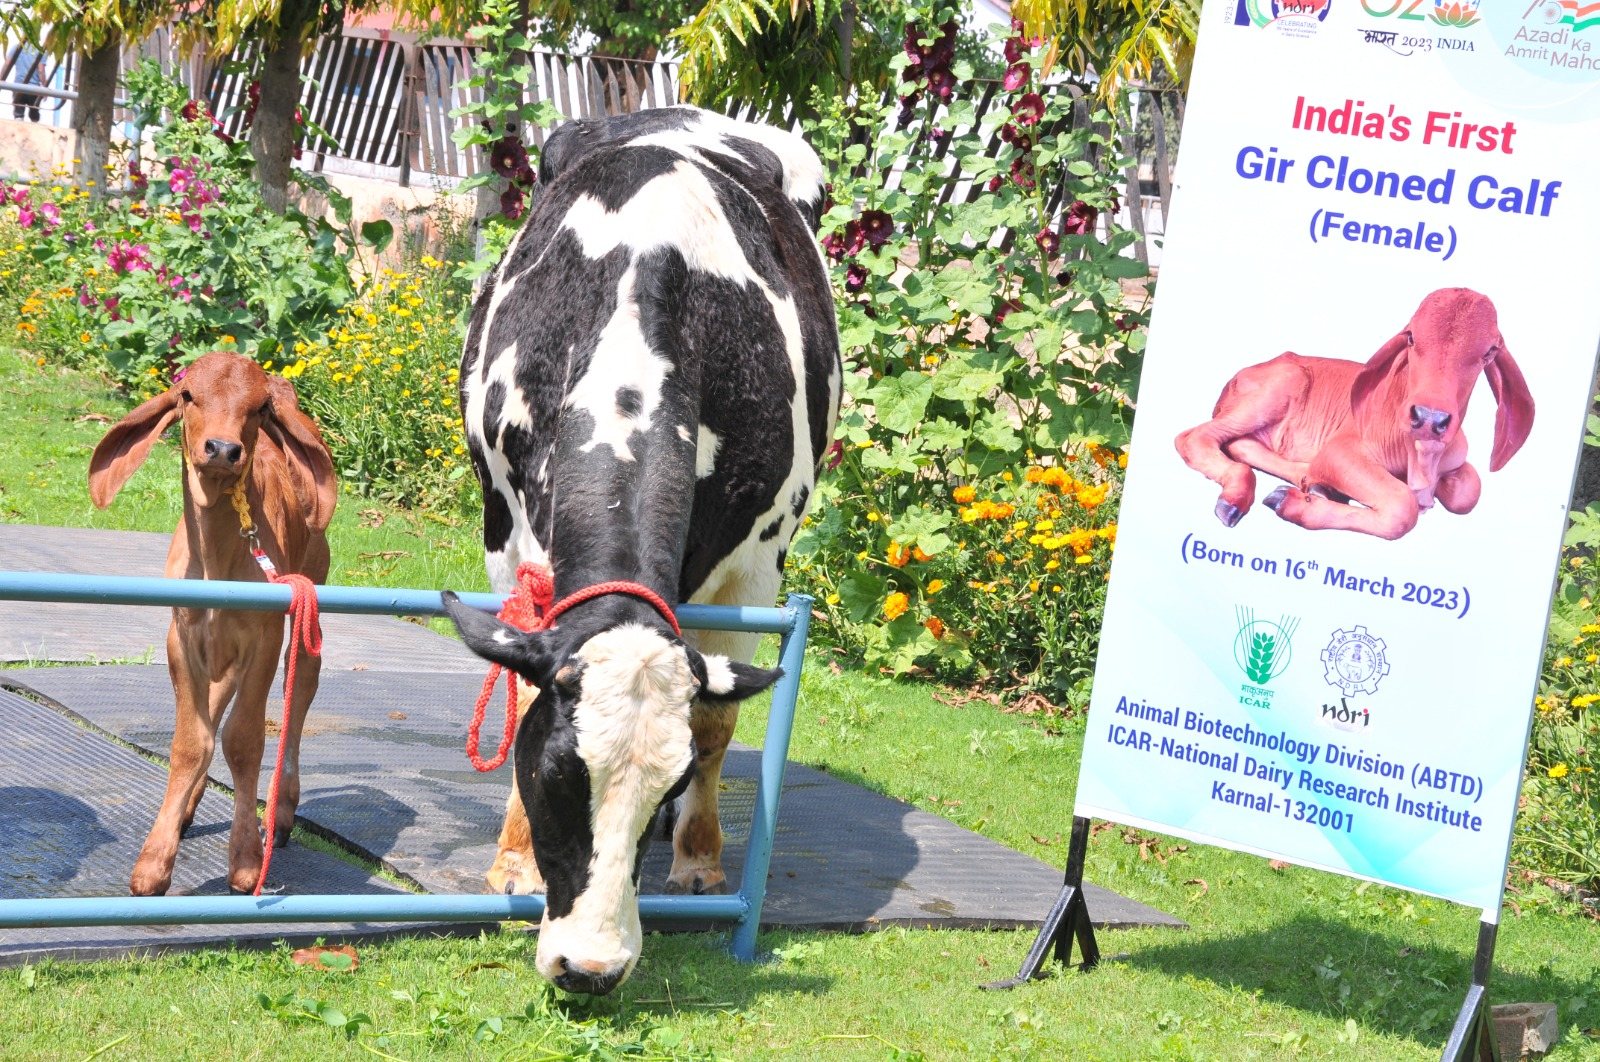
(243, 739)
(307, 675)
(1255, 399)
(514, 871)
(193, 738)
(1459, 489)
(697, 834)
(1387, 509)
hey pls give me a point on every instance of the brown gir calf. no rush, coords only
(239, 425)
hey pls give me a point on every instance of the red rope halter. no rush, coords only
(530, 607)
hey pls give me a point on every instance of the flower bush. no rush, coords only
(383, 386)
(990, 346)
(1558, 831)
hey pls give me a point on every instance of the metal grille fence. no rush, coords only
(791, 623)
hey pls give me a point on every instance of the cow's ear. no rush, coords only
(1379, 367)
(527, 654)
(722, 679)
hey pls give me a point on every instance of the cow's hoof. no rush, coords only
(699, 883)
(148, 886)
(1274, 501)
(1228, 513)
(515, 874)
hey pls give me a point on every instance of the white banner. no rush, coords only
(1368, 371)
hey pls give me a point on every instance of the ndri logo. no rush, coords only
(1292, 18)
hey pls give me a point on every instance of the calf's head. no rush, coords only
(224, 402)
(1419, 382)
(604, 745)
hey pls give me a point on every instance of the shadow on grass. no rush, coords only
(1332, 967)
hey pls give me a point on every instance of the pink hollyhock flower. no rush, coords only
(1017, 75)
(996, 182)
(179, 180)
(128, 257)
(1013, 49)
(51, 215)
(25, 217)
(1029, 109)
(19, 194)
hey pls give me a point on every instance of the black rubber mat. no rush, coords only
(74, 810)
(382, 767)
(38, 631)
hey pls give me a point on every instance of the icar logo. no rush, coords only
(1262, 649)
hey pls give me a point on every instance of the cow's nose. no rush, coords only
(220, 449)
(590, 978)
(1436, 420)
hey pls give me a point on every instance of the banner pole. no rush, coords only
(1068, 918)
(1472, 1038)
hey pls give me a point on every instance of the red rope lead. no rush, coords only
(530, 608)
(304, 630)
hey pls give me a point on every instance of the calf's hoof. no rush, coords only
(1229, 513)
(147, 882)
(281, 832)
(697, 882)
(515, 874)
(243, 882)
(1274, 501)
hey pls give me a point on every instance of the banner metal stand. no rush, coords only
(1472, 1038)
(1067, 919)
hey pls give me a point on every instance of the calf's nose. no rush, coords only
(1426, 419)
(220, 450)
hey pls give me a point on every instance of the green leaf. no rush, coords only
(377, 234)
(902, 400)
(861, 593)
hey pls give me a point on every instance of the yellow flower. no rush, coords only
(895, 605)
(1052, 564)
(873, 518)
(1565, 661)
(1083, 559)
(1558, 771)
(1008, 477)
(1044, 525)
(84, 337)
(832, 599)
(934, 586)
(964, 494)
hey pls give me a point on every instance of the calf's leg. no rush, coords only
(193, 738)
(1388, 508)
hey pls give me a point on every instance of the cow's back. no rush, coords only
(660, 335)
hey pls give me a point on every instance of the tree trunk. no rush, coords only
(273, 135)
(91, 115)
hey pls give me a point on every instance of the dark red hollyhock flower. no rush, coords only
(1079, 219)
(996, 182)
(1010, 134)
(1022, 171)
(833, 246)
(913, 45)
(1064, 277)
(877, 226)
(1048, 241)
(1006, 308)
(1127, 322)
(511, 202)
(942, 83)
(855, 278)
(908, 110)
(1013, 49)
(525, 175)
(855, 239)
(1017, 75)
(835, 455)
(1028, 110)
(191, 111)
(943, 51)
(507, 155)
(1016, 26)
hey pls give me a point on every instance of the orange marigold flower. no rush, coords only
(898, 555)
(964, 493)
(934, 586)
(935, 626)
(919, 556)
(895, 605)
(1090, 497)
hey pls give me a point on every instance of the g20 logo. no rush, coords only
(1456, 14)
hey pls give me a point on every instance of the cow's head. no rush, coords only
(604, 745)
(1423, 378)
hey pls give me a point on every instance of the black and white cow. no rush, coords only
(649, 381)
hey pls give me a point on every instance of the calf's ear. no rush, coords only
(299, 438)
(527, 654)
(1513, 419)
(1379, 367)
(722, 679)
(127, 444)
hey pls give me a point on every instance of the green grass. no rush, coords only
(1277, 963)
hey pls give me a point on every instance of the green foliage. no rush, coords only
(990, 348)
(496, 121)
(1119, 40)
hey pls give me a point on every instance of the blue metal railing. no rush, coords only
(791, 622)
